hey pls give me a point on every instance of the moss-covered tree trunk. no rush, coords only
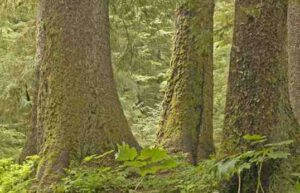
(294, 55)
(186, 122)
(78, 110)
(257, 98)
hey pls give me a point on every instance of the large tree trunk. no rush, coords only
(257, 98)
(294, 55)
(186, 122)
(78, 110)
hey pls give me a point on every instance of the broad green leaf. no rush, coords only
(126, 153)
(168, 164)
(153, 154)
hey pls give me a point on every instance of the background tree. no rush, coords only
(78, 110)
(257, 98)
(17, 50)
(186, 122)
(294, 55)
(141, 37)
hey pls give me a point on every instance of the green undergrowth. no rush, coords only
(11, 141)
(16, 178)
(184, 178)
(151, 170)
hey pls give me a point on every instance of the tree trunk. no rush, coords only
(186, 122)
(257, 98)
(294, 55)
(78, 111)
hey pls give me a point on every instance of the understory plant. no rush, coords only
(17, 178)
(261, 153)
(149, 170)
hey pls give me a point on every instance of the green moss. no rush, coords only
(186, 124)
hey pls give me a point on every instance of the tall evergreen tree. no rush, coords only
(294, 55)
(78, 112)
(186, 122)
(257, 98)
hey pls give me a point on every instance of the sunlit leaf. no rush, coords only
(126, 153)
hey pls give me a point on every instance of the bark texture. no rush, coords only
(294, 55)
(78, 111)
(257, 98)
(186, 122)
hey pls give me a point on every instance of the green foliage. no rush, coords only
(141, 38)
(11, 140)
(90, 180)
(223, 25)
(261, 153)
(141, 41)
(184, 179)
(17, 51)
(297, 185)
(148, 161)
(15, 178)
(95, 158)
(126, 153)
(157, 171)
(121, 178)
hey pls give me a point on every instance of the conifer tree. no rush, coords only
(78, 112)
(186, 122)
(257, 98)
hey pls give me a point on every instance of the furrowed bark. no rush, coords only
(257, 98)
(186, 121)
(78, 112)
